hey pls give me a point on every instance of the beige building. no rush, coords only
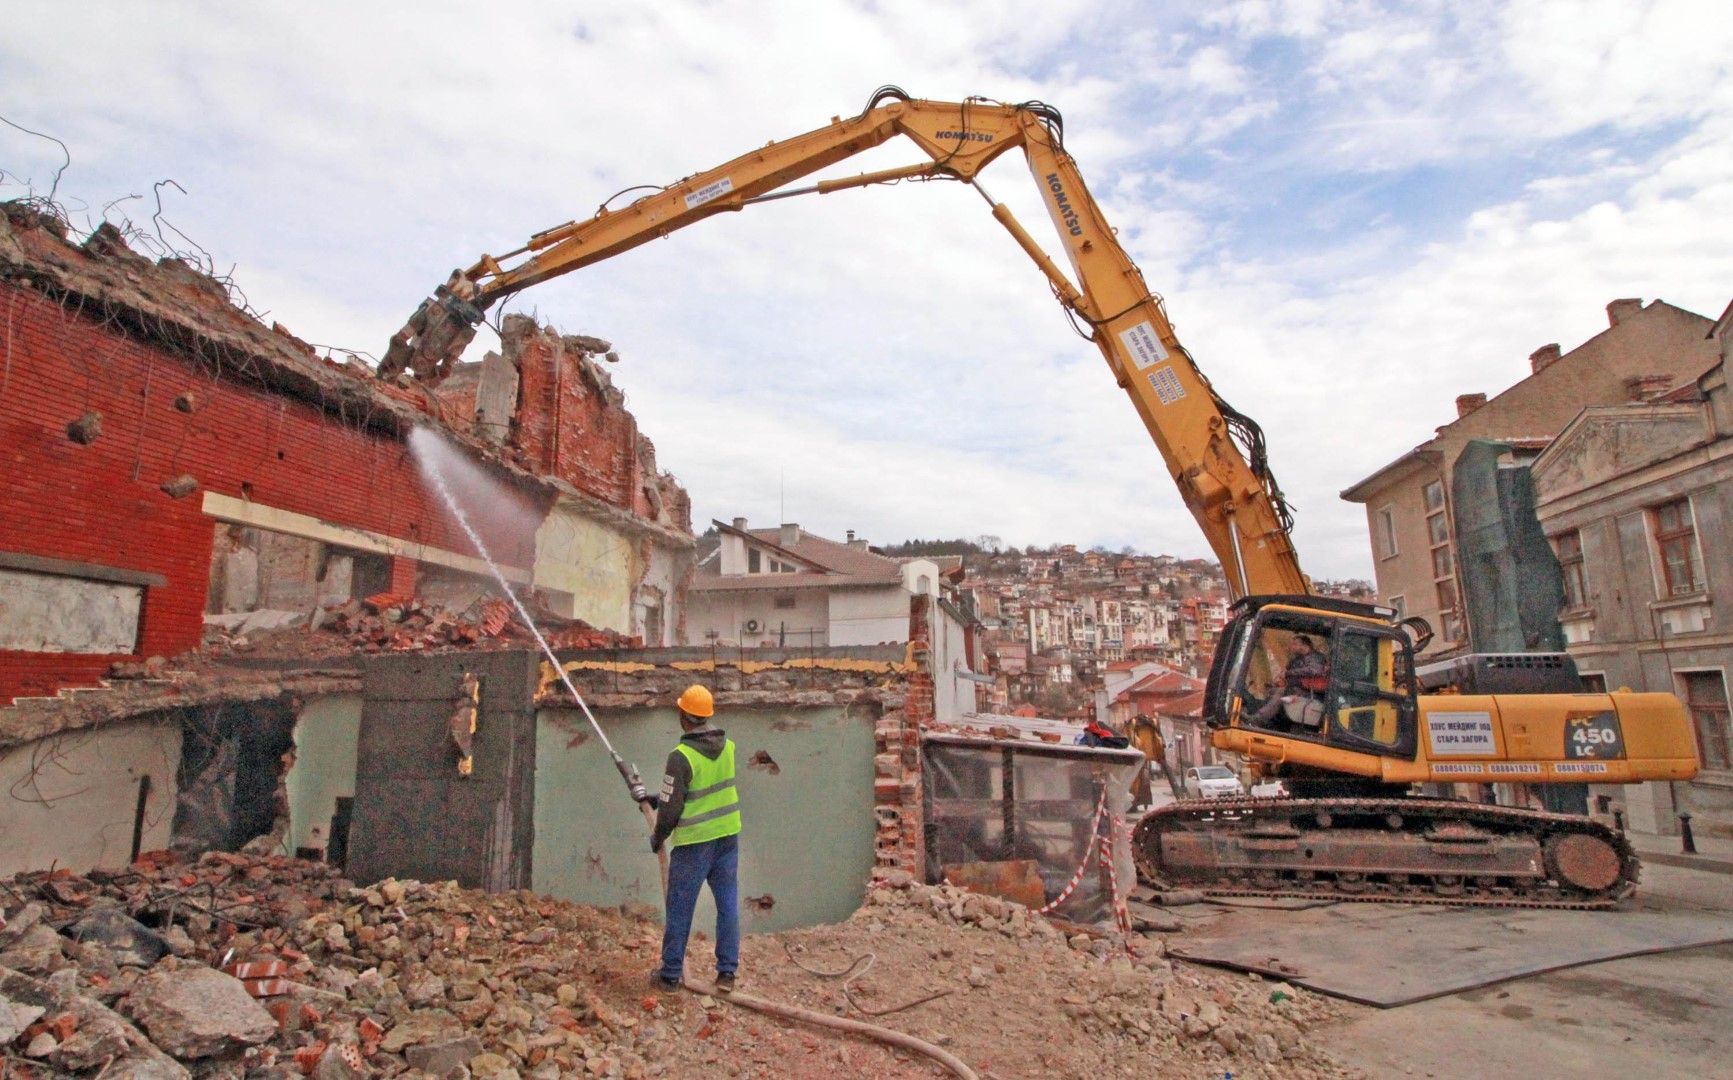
(1637, 500)
(1645, 351)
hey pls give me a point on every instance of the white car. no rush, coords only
(1213, 782)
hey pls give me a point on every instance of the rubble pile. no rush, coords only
(390, 623)
(274, 968)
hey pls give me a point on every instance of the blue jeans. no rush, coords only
(689, 867)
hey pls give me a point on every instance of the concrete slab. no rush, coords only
(1665, 1015)
(1389, 955)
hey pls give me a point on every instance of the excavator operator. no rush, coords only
(1300, 697)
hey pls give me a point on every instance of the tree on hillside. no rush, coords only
(933, 547)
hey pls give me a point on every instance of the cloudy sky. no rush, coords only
(1356, 211)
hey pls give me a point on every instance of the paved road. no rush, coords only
(1667, 1015)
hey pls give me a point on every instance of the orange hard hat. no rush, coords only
(695, 700)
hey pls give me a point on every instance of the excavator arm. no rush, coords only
(1213, 453)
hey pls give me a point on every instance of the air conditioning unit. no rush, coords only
(751, 626)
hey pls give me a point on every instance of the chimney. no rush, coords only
(1648, 387)
(851, 537)
(858, 543)
(790, 535)
(740, 523)
(1620, 310)
(1467, 403)
(1542, 358)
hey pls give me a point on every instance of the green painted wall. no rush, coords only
(808, 827)
(325, 742)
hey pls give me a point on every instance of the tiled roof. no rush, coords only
(1164, 684)
(709, 579)
(829, 565)
(832, 555)
(1190, 705)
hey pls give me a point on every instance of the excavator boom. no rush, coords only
(1214, 454)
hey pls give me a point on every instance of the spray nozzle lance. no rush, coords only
(634, 782)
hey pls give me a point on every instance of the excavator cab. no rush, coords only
(1325, 671)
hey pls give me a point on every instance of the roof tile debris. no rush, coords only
(170, 302)
(388, 623)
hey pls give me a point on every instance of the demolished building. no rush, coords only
(178, 469)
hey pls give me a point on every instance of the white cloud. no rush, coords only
(1213, 70)
(888, 354)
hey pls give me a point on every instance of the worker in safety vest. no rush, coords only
(698, 816)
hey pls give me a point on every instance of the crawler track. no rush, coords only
(1406, 850)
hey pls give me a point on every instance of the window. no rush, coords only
(1363, 675)
(1386, 527)
(1676, 542)
(1443, 562)
(1447, 594)
(1399, 604)
(1570, 560)
(1706, 699)
(785, 602)
(1594, 683)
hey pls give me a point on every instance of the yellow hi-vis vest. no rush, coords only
(712, 807)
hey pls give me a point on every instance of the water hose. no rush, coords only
(891, 1036)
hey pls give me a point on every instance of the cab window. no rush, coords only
(1287, 675)
(1368, 693)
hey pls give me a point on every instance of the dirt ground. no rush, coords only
(1020, 1000)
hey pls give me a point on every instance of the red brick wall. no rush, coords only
(897, 793)
(574, 426)
(101, 503)
(403, 575)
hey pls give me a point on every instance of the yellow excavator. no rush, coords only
(1346, 727)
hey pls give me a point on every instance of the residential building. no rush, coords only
(1637, 500)
(1410, 507)
(788, 588)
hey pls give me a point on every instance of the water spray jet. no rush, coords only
(427, 446)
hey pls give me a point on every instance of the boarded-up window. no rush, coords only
(55, 613)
